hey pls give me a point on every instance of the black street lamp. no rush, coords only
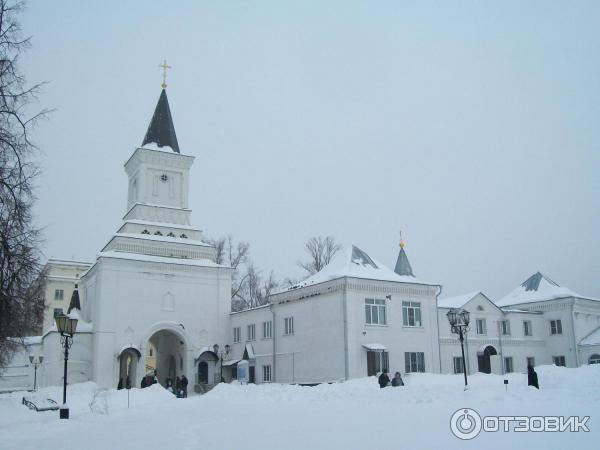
(66, 326)
(36, 361)
(221, 355)
(459, 324)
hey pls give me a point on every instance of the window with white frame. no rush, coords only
(531, 361)
(508, 364)
(267, 329)
(411, 314)
(556, 326)
(288, 325)
(266, 373)
(237, 335)
(375, 313)
(559, 361)
(251, 333)
(377, 361)
(481, 326)
(59, 294)
(414, 362)
(527, 330)
(458, 364)
(505, 327)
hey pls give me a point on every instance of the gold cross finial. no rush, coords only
(164, 68)
(401, 241)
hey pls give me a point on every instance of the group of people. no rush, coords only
(384, 380)
(179, 389)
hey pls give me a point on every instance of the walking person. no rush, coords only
(177, 385)
(397, 380)
(184, 385)
(532, 378)
(383, 379)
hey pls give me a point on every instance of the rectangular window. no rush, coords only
(458, 364)
(505, 327)
(251, 333)
(266, 372)
(555, 327)
(375, 313)
(531, 361)
(288, 325)
(559, 361)
(411, 314)
(58, 312)
(527, 328)
(237, 335)
(481, 326)
(377, 362)
(267, 330)
(59, 294)
(508, 364)
(414, 362)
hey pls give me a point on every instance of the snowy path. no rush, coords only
(352, 415)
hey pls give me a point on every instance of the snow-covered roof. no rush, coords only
(591, 339)
(537, 288)
(154, 237)
(353, 262)
(161, 224)
(456, 302)
(159, 259)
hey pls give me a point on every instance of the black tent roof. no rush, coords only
(161, 130)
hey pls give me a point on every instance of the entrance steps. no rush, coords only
(203, 388)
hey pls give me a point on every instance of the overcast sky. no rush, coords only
(474, 127)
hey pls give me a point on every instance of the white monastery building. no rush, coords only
(155, 298)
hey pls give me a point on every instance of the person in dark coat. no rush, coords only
(532, 379)
(143, 384)
(397, 380)
(177, 385)
(383, 379)
(120, 385)
(184, 385)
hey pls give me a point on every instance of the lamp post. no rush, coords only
(221, 355)
(36, 361)
(66, 326)
(459, 324)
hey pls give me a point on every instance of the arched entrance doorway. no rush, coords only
(483, 358)
(168, 355)
(128, 366)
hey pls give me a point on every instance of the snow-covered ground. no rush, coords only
(352, 415)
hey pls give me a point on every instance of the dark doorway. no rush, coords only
(251, 378)
(371, 364)
(484, 364)
(202, 372)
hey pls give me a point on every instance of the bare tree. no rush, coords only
(21, 287)
(248, 289)
(321, 251)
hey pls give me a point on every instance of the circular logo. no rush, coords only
(465, 423)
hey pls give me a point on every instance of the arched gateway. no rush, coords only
(483, 358)
(169, 355)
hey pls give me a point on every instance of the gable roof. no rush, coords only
(161, 130)
(456, 302)
(353, 262)
(591, 339)
(536, 288)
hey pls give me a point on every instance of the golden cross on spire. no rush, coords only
(401, 241)
(164, 68)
